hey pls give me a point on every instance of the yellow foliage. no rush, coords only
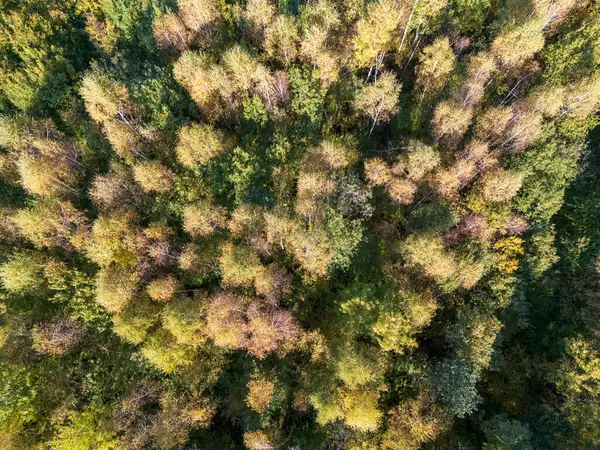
(260, 391)
(198, 145)
(203, 218)
(116, 286)
(361, 411)
(153, 176)
(164, 352)
(377, 32)
(516, 45)
(507, 253)
(163, 289)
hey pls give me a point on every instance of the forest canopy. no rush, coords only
(303, 225)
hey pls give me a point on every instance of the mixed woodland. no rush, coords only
(302, 225)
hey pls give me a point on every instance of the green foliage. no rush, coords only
(19, 397)
(164, 352)
(360, 224)
(432, 217)
(344, 236)
(307, 95)
(23, 273)
(87, 429)
(454, 383)
(504, 434)
(133, 21)
(134, 322)
(184, 318)
(470, 14)
(575, 53)
(45, 49)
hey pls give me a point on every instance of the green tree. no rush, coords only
(454, 384)
(23, 272)
(503, 433)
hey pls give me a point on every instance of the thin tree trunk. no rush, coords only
(407, 26)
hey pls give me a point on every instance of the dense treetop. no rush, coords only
(303, 225)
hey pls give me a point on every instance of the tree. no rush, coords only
(501, 185)
(22, 273)
(417, 162)
(428, 251)
(328, 404)
(201, 16)
(421, 306)
(115, 239)
(134, 322)
(281, 39)
(273, 282)
(359, 366)
(470, 14)
(492, 124)
(115, 190)
(247, 222)
(241, 72)
(315, 45)
(316, 182)
(515, 45)
(108, 102)
(436, 62)
(49, 167)
(482, 67)
(177, 416)
(504, 434)
(153, 176)
(360, 410)
(184, 317)
(474, 335)
(195, 72)
(240, 265)
(225, 323)
(524, 128)
(257, 16)
(578, 379)
(270, 330)
(414, 422)
(164, 288)
(49, 223)
(58, 337)
(395, 333)
(199, 262)
(550, 11)
(203, 218)
(162, 351)
(87, 429)
(582, 98)
(379, 101)
(454, 384)
(198, 145)
(377, 32)
(260, 391)
(450, 121)
(257, 440)
(159, 243)
(549, 100)
(116, 287)
(170, 32)
(331, 243)
(471, 226)
(474, 159)
(377, 172)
